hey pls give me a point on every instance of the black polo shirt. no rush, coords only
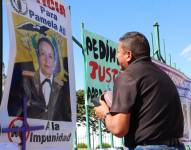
(151, 97)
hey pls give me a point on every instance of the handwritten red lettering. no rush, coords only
(102, 73)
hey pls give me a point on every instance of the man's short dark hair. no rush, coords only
(44, 39)
(137, 43)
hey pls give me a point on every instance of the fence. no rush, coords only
(82, 138)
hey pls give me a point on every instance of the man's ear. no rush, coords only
(128, 56)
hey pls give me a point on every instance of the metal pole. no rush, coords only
(122, 141)
(152, 44)
(85, 94)
(77, 42)
(93, 138)
(75, 140)
(157, 40)
(100, 134)
(87, 126)
(164, 50)
(175, 65)
(170, 59)
(111, 140)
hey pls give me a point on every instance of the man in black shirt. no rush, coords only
(146, 107)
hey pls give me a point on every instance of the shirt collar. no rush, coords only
(141, 59)
(43, 77)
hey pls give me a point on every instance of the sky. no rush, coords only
(112, 19)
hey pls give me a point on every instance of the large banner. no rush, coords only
(183, 85)
(101, 66)
(41, 70)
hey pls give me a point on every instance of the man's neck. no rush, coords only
(141, 58)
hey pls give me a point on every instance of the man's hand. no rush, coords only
(101, 110)
(117, 124)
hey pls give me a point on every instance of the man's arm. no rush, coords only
(117, 124)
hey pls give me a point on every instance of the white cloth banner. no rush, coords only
(40, 43)
(183, 84)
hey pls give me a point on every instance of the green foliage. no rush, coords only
(81, 113)
(80, 107)
(82, 145)
(104, 145)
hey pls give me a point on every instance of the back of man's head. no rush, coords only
(137, 43)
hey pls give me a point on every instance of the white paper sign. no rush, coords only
(41, 69)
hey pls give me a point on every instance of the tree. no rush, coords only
(80, 107)
(81, 114)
